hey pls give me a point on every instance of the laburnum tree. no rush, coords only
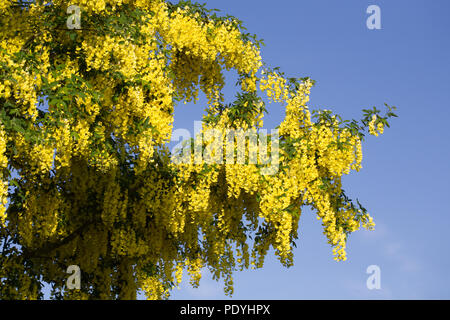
(86, 174)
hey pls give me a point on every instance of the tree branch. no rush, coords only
(51, 246)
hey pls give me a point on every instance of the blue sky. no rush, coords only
(405, 177)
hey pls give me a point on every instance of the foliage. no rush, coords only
(86, 177)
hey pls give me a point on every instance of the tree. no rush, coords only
(86, 175)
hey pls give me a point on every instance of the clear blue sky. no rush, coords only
(405, 177)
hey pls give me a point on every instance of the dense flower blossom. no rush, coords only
(85, 118)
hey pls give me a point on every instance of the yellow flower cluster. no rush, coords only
(200, 49)
(375, 129)
(3, 184)
(4, 5)
(319, 157)
(153, 288)
(275, 87)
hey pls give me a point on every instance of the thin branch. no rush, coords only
(51, 246)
